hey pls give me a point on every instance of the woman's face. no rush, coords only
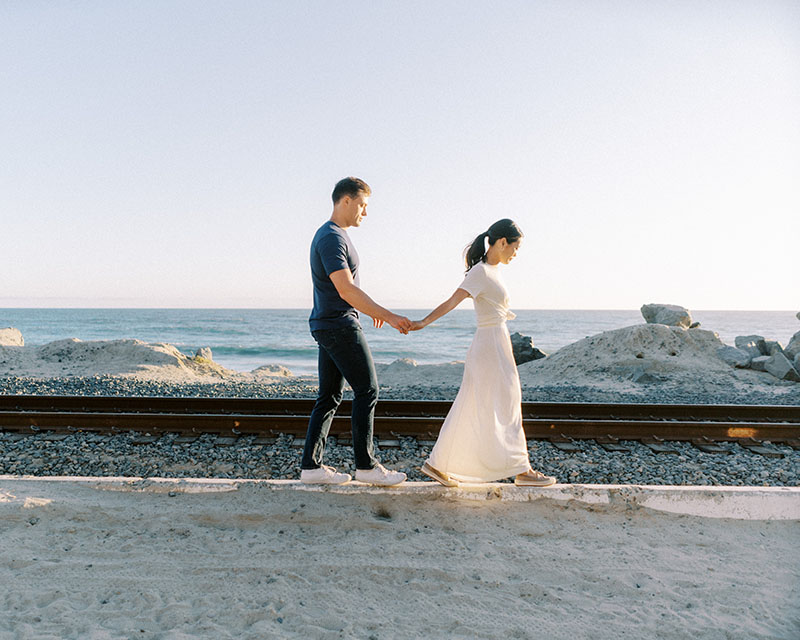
(508, 250)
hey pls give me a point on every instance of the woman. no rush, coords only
(482, 439)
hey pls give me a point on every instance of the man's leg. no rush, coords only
(348, 350)
(331, 384)
(364, 382)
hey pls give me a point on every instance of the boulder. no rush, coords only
(754, 345)
(204, 353)
(271, 371)
(734, 357)
(523, 349)
(668, 314)
(10, 337)
(793, 348)
(759, 363)
(797, 363)
(798, 315)
(773, 347)
(405, 372)
(780, 367)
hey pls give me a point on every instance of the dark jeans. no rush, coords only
(343, 355)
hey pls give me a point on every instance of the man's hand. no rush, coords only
(401, 323)
(360, 301)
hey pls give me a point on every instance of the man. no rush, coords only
(343, 350)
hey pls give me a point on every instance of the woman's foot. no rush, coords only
(533, 478)
(440, 477)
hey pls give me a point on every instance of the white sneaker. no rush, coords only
(323, 475)
(380, 476)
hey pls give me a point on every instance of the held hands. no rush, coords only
(401, 323)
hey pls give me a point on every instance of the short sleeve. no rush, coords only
(474, 282)
(332, 251)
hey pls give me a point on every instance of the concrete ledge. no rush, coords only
(741, 503)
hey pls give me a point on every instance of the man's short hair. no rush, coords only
(350, 187)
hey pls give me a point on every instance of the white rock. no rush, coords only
(205, 353)
(734, 357)
(781, 368)
(272, 371)
(10, 337)
(405, 372)
(668, 314)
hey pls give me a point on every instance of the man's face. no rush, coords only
(356, 209)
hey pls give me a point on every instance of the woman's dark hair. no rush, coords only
(505, 228)
(350, 187)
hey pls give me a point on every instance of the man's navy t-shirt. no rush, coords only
(331, 250)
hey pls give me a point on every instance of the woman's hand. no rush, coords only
(377, 322)
(416, 325)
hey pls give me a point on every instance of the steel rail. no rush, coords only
(268, 416)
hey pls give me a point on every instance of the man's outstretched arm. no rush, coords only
(357, 298)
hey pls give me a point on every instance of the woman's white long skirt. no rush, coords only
(482, 439)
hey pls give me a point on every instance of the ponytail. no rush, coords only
(476, 251)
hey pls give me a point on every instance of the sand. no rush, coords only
(263, 561)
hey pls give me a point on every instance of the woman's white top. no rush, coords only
(483, 283)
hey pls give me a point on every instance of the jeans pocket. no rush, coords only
(329, 339)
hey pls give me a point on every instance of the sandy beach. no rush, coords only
(131, 561)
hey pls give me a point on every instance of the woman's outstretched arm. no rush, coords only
(446, 307)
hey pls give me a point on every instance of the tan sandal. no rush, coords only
(441, 478)
(533, 478)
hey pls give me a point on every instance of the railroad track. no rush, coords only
(561, 423)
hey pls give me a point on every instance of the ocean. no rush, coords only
(244, 339)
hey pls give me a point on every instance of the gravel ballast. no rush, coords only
(82, 454)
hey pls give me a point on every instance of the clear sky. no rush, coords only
(174, 154)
